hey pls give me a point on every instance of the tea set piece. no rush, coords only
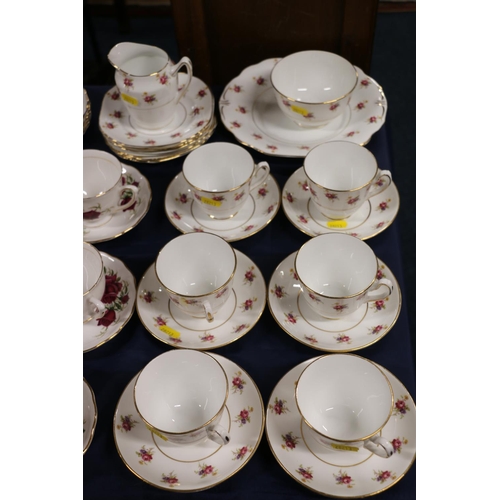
(118, 297)
(340, 471)
(370, 323)
(249, 110)
(374, 216)
(175, 327)
(196, 466)
(87, 111)
(192, 124)
(125, 219)
(89, 415)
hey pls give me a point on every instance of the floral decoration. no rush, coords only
(127, 423)
(343, 479)
(279, 406)
(290, 441)
(401, 406)
(145, 455)
(205, 470)
(238, 383)
(171, 479)
(383, 475)
(305, 472)
(243, 416)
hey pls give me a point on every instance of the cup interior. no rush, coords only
(195, 264)
(340, 166)
(344, 397)
(336, 265)
(314, 76)
(101, 172)
(180, 391)
(92, 267)
(218, 167)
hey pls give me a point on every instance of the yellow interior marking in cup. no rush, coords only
(170, 331)
(130, 100)
(154, 431)
(209, 201)
(337, 223)
(344, 447)
(299, 110)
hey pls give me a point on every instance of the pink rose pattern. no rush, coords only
(382, 476)
(243, 416)
(238, 383)
(343, 479)
(278, 407)
(127, 423)
(205, 470)
(240, 453)
(171, 479)
(145, 455)
(401, 407)
(289, 441)
(305, 472)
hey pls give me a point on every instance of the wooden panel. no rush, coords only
(223, 37)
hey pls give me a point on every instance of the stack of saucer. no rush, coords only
(193, 124)
(87, 113)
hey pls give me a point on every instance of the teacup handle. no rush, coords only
(209, 315)
(378, 186)
(185, 61)
(383, 290)
(260, 174)
(99, 307)
(380, 446)
(133, 199)
(218, 434)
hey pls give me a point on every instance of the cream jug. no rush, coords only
(148, 83)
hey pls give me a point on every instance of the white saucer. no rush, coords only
(236, 318)
(126, 220)
(339, 474)
(360, 329)
(120, 281)
(89, 415)
(258, 211)
(194, 467)
(375, 215)
(193, 113)
(249, 110)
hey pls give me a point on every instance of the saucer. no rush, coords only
(258, 211)
(360, 329)
(192, 115)
(126, 220)
(249, 110)
(337, 473)
(236, 317)
(120, 296)
(375, 215)
(89, 415)
(199, 466)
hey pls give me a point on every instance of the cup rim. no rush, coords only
(314, 102)
(205, 424)
(353, 440)
(112, 159)
(344, 297)
(101, 273)
(341, 190)
(169, 290)
(144, 45)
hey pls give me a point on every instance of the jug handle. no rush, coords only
(185, 61)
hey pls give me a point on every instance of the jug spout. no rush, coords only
(137, 59)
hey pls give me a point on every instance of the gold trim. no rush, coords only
(101, 274)
(94, 421)
(139, 76)
(102, 193)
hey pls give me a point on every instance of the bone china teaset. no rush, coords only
(340, 413)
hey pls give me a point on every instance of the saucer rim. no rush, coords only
(229, 240)
(135, 221)
(221, 359)
(402, 475)
(324, 230)
(336, 351)
(94, 422)
(132, 309)
(203, 347)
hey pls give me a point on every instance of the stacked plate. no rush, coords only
(192, 125)
(87, 113)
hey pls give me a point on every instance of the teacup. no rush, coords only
(148, 83)
(346, 400)
(197, 272)
(221, 176)
(181, 394)
(313, 87)
(341, 176)
(104, 195)
(94, 283)
(337, 274)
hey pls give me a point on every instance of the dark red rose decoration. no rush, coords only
(115, 297)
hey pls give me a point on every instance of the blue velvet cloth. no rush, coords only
(266, 352)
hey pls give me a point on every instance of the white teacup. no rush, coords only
(346, 400)
(337, 273)
(197, 272)
(103, 192)
(341, 176)
(221, 176)
(313, 87)
(94, 283)
(181, 395)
